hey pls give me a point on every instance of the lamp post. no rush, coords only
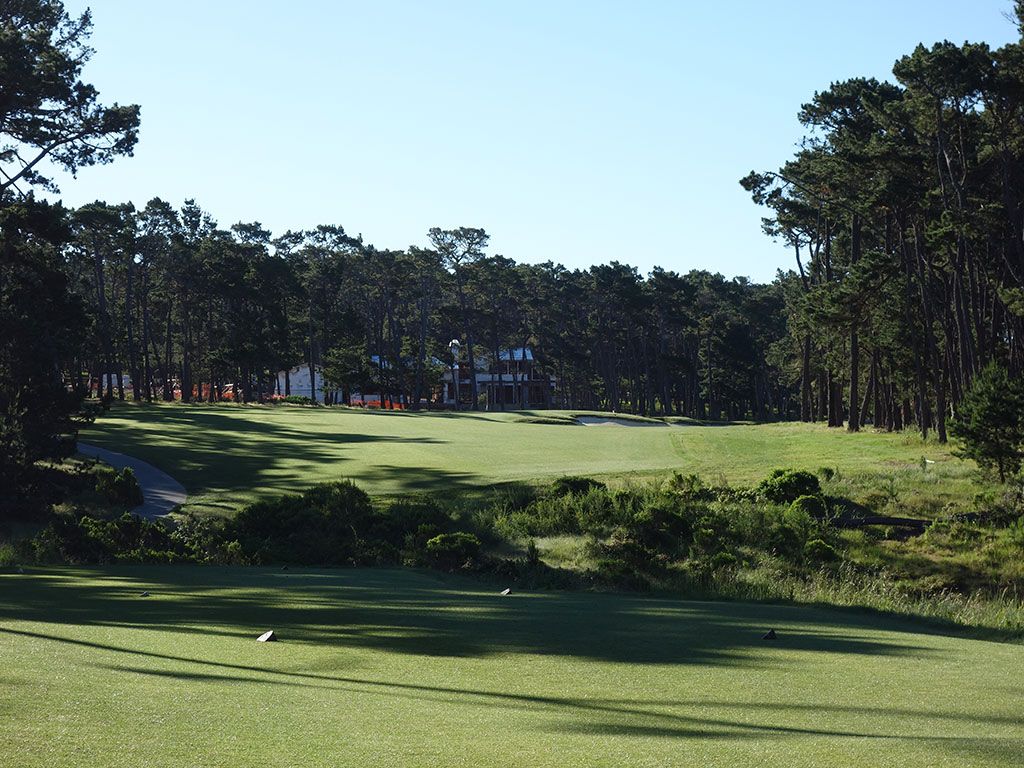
(453, 347)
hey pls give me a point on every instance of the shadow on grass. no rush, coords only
(219, 449)
(640, 718)
(429, 615)
(625, 711)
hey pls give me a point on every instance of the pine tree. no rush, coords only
(990, 424)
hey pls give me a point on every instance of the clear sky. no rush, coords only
(579, 132)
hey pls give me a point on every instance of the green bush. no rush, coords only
(8, 555)
(595, 510)
(1015, 532)
(548, 516)
(532, 554)
(616, 573)
(768, 528)
(691, 487)
(234, 554)
(819, 551)
(202, 540)
(574, 486)
(336, 524)
(724, 560)
(784, 486)
(411, 515)
(514, 495)
(1000, 507)
(812, 506)
(88, 540)
(118, 487)
(452, 550)
(798, 520)
(598, 510)
(297, 400)
(323, 526)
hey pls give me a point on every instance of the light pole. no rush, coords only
(453, 347)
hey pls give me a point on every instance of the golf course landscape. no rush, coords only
(131, 665)
(226, 456)
(406, 668)
(511, 385)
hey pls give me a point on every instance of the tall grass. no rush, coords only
(999, 615)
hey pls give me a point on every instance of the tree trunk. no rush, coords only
(168, 349)
(854, 425)
(805, 380)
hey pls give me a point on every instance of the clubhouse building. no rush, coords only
(513, 381)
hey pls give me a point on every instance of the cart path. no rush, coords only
(161, 492)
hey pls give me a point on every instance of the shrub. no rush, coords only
(532, 554)
(627, 550)
(784, 486)
(8, 555)
(297, 400)
(419, 517)
(233, 554)
(615, 573)
(1015, 532)
(118, 487)
(88, 540)
(736, 495)
(691, 487)
(724, 560)
(550, 516)
(769, 528)
(336, 524)
(812, 506)
(798, 520)
(202, 540)
(324, 526)
(662, 525)
(508, 498)
(452, 550)
(1001, 508)
(819, 551)
(574, 486)
(597, 511)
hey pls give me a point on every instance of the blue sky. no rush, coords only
(579, 132)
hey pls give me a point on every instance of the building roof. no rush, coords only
(516, 353)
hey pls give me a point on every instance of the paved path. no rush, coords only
(162, 493)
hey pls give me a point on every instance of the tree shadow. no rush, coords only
(251, 453)
(425, 614)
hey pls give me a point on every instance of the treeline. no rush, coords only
(904, 208)
(160, 301)
(182, 308)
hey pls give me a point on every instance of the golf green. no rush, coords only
(402, 668)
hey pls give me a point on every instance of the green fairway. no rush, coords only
(225, 455)
(401, 668)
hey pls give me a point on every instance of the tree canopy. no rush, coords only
(47, 112)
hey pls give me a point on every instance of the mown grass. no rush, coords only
(227, 455)
(402, 668)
